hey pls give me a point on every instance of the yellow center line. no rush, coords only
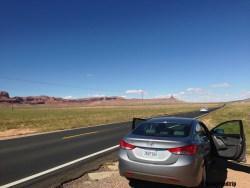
(77, 135)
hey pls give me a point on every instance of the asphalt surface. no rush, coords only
(25, 156)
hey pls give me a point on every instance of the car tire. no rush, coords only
(132, 183)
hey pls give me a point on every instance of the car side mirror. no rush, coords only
(136, 122)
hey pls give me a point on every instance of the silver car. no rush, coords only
(177, 151)
(203, 109)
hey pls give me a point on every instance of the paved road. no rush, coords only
(23, 157)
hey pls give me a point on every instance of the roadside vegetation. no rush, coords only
(230, 112)
(48, 118)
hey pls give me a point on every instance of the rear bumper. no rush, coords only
(187, 171)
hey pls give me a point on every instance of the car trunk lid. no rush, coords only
(154, 149)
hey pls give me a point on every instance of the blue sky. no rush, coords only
(195, 50)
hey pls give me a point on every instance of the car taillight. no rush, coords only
(125, 145)
(185, 150)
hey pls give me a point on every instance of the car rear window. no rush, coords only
(162, 129)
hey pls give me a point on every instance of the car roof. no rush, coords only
(172, 119)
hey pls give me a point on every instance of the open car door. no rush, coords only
(136, 122)
(229, 140)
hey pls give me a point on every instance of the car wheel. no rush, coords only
(204, 178)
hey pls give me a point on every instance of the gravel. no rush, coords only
(238, 176)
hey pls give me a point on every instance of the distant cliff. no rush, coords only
(5, 98)
(111, 100)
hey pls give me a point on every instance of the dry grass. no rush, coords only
(50, 118)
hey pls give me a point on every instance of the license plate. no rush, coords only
(150, 154)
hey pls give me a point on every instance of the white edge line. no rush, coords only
(58, 167)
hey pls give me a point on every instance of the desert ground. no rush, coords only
(26, 119)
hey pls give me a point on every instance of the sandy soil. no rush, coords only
(113, 181)
(237, 176)
(242, 179)
(12, 133)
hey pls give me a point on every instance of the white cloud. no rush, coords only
(182, 93)
(98, 95)
(190, 92)
(68, 97)
(221, 85)
(179, 94)
(135, 91)
(203, 95)
(197, 94)
(196, 90)
(194, 94)
(163, 96)
(245, 95)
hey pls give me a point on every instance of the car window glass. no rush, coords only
(200, 131)
(232, 127)
(162, 129)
